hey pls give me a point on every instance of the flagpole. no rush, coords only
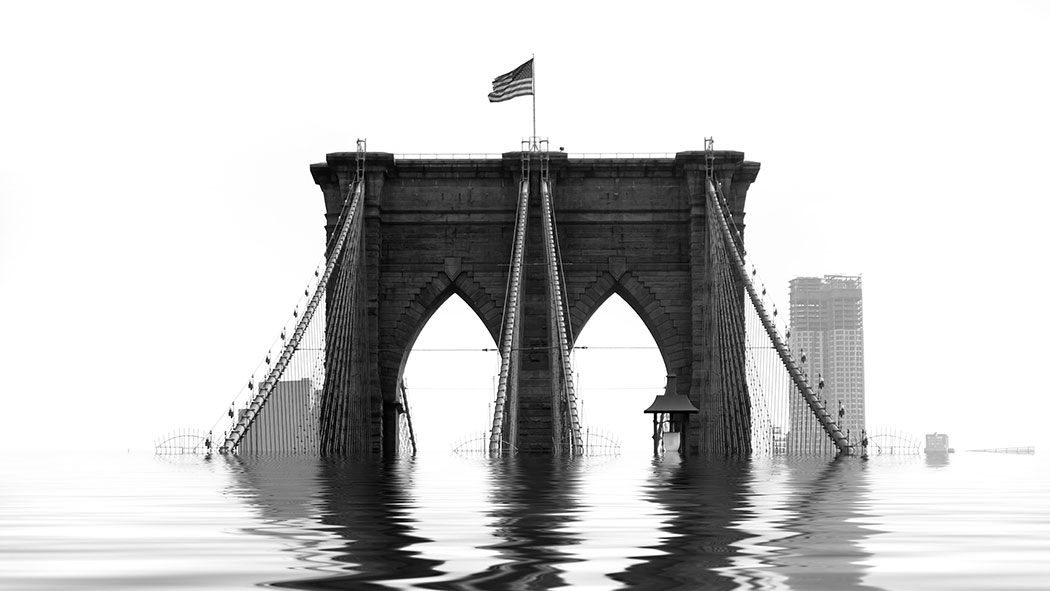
(534, 140)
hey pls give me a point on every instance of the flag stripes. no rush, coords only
(517, 82)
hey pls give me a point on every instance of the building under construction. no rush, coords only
(827, 335)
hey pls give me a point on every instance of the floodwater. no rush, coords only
(127, 521)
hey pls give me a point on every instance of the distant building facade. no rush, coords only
(288, 422)
(937, 443)
(827, 330)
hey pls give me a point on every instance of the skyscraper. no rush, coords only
(827, 330)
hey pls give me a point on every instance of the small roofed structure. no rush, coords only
(671, 403)
(670, 412)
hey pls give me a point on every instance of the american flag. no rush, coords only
(517, 82)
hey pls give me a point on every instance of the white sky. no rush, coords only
(158, 219)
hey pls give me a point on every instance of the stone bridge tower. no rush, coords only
(636, 227)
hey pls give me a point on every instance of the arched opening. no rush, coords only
(450, 379)
(618, 370)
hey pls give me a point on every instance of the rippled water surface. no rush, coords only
(78, 521)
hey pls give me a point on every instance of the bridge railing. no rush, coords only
(291, 343)
(498, 156)
(448, 156)
(498, 436)
(299, 353)
(560, 322)
(620, 155)
(262, 375)
(716, 201)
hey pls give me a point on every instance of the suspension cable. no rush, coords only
(822, 415)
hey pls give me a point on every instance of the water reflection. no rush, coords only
(542, 523)
(699, 499)
(824, 515)
(533, 503)
(339, 515)
(287, 493)
(369, 503)
(936, 460)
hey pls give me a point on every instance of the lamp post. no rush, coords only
(673, 410)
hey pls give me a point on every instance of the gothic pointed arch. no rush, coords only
(645, 303)
(413, 317)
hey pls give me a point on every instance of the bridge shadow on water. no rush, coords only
(542, 523)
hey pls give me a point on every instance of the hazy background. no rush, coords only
(158, 220)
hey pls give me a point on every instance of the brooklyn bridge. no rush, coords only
(534, 242)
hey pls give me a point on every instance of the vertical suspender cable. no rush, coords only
(822, 416)
(561, 331)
